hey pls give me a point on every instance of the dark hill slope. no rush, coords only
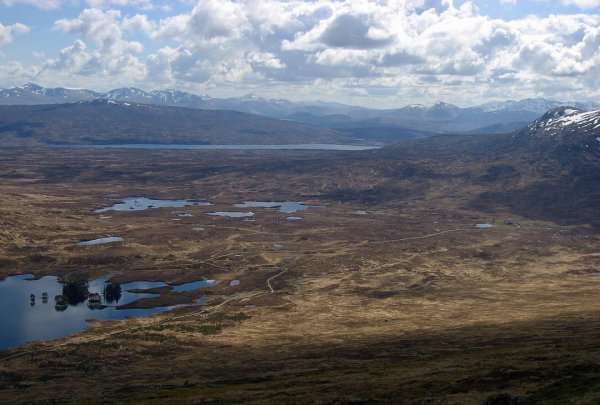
(108, 121)
(534, 173)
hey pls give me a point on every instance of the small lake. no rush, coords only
(193, 286)
(143, 203)
(183, 214)
(231, 214)
(100, 241)
(484, 226)
(286, 207)
(304, 146)
(47, 309)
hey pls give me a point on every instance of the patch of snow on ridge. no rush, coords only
(568, 117)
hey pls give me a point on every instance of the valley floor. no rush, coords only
(410, 303)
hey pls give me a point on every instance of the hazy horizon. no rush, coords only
(313, 101)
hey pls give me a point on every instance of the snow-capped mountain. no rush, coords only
(564, 129)
(489, 118)
(180, 98)
(443, 110)
(129, 94)
(33, 94)
(566, 120)
(537, 105)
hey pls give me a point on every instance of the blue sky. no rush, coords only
(370, 52)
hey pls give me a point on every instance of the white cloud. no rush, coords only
(139, 23)
(110, 57)
(384, 48)
(7, 32)
(43, 4)
(72, 58)
(582, 3)
(144, 4)
(375, 42)
(55, 4)
(210, 20)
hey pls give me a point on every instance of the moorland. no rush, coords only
(385, 289)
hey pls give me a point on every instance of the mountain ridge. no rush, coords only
(101, 121)
(539, 105)
(388, 125)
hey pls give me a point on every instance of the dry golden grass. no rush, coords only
(409, 303)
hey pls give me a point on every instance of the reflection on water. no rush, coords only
(193, 286)
(286, 207)
(231, 214)
(309, 146)
(47, 309)
(100, 241)
(143, 203)
(111, 293)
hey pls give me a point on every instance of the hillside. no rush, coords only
(109, 121)
(548, 170)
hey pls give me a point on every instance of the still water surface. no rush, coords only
(286, 207)
(307, 146)
(144, 203)
(46, 309)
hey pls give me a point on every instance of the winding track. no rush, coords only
(231, 298)
(273, 278)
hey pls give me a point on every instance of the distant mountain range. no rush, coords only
(412, 121)
(548, 168)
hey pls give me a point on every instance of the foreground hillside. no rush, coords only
(386, 290)
(108, 121)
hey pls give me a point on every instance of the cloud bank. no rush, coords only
(387, 51)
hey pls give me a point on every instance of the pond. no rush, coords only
(286, 207)
(100, 241)
(46, 308)
(231, 214)
(143, 203)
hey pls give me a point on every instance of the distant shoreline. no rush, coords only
(311, 146)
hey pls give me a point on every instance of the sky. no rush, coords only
(377, 53)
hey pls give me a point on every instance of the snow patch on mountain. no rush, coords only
(566, 120)
(537, 105)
